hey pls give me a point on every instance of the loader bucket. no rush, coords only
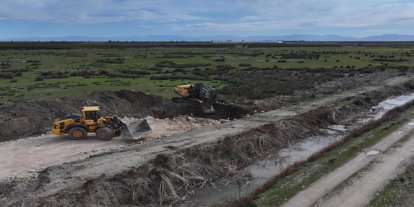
(136, 130)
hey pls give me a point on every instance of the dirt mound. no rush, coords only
(166, 127)
(29, 118)
(35, 117)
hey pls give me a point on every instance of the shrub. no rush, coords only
(118, 60)
(39, 78)
(245, 65)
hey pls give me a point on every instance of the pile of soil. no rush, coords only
(166, 127)
(35, 117)
(28, 118)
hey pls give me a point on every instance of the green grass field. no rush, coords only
(31, 71)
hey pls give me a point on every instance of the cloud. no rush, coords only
(246, 26)
(93, 11)
(343, 13)
(221, 17)
(316, 16)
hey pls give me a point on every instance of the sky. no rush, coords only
(122, 18)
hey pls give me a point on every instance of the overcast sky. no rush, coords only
(106, 18)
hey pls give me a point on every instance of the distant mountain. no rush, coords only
(389, 37)
(304, 37)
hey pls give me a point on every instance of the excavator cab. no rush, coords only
(183, 90)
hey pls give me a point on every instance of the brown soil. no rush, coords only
(162, 128)
(33, 118)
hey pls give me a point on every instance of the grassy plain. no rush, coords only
(31, 71)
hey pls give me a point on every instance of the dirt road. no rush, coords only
(389, 161)
(26, 157)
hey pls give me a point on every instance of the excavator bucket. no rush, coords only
(136, 129)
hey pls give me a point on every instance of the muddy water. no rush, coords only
(263, 171)
(275, 164)
(378, 111)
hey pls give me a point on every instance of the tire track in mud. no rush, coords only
(72, 174)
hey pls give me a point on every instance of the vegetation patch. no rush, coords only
(250, 70)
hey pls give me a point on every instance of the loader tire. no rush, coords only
(104, 134)
(77, 133)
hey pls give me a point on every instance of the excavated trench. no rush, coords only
(267, 169)
(173, 178)
(182, 176)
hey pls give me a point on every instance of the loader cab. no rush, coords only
(90, 116)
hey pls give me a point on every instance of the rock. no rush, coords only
(224, 120)
(191, 119)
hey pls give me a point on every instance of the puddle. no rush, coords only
(262, 171)
(372, 152)
(334, 129)
(338, 127)
(378, 111)
(274, 165)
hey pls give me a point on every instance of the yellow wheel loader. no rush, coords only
(105, 127)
